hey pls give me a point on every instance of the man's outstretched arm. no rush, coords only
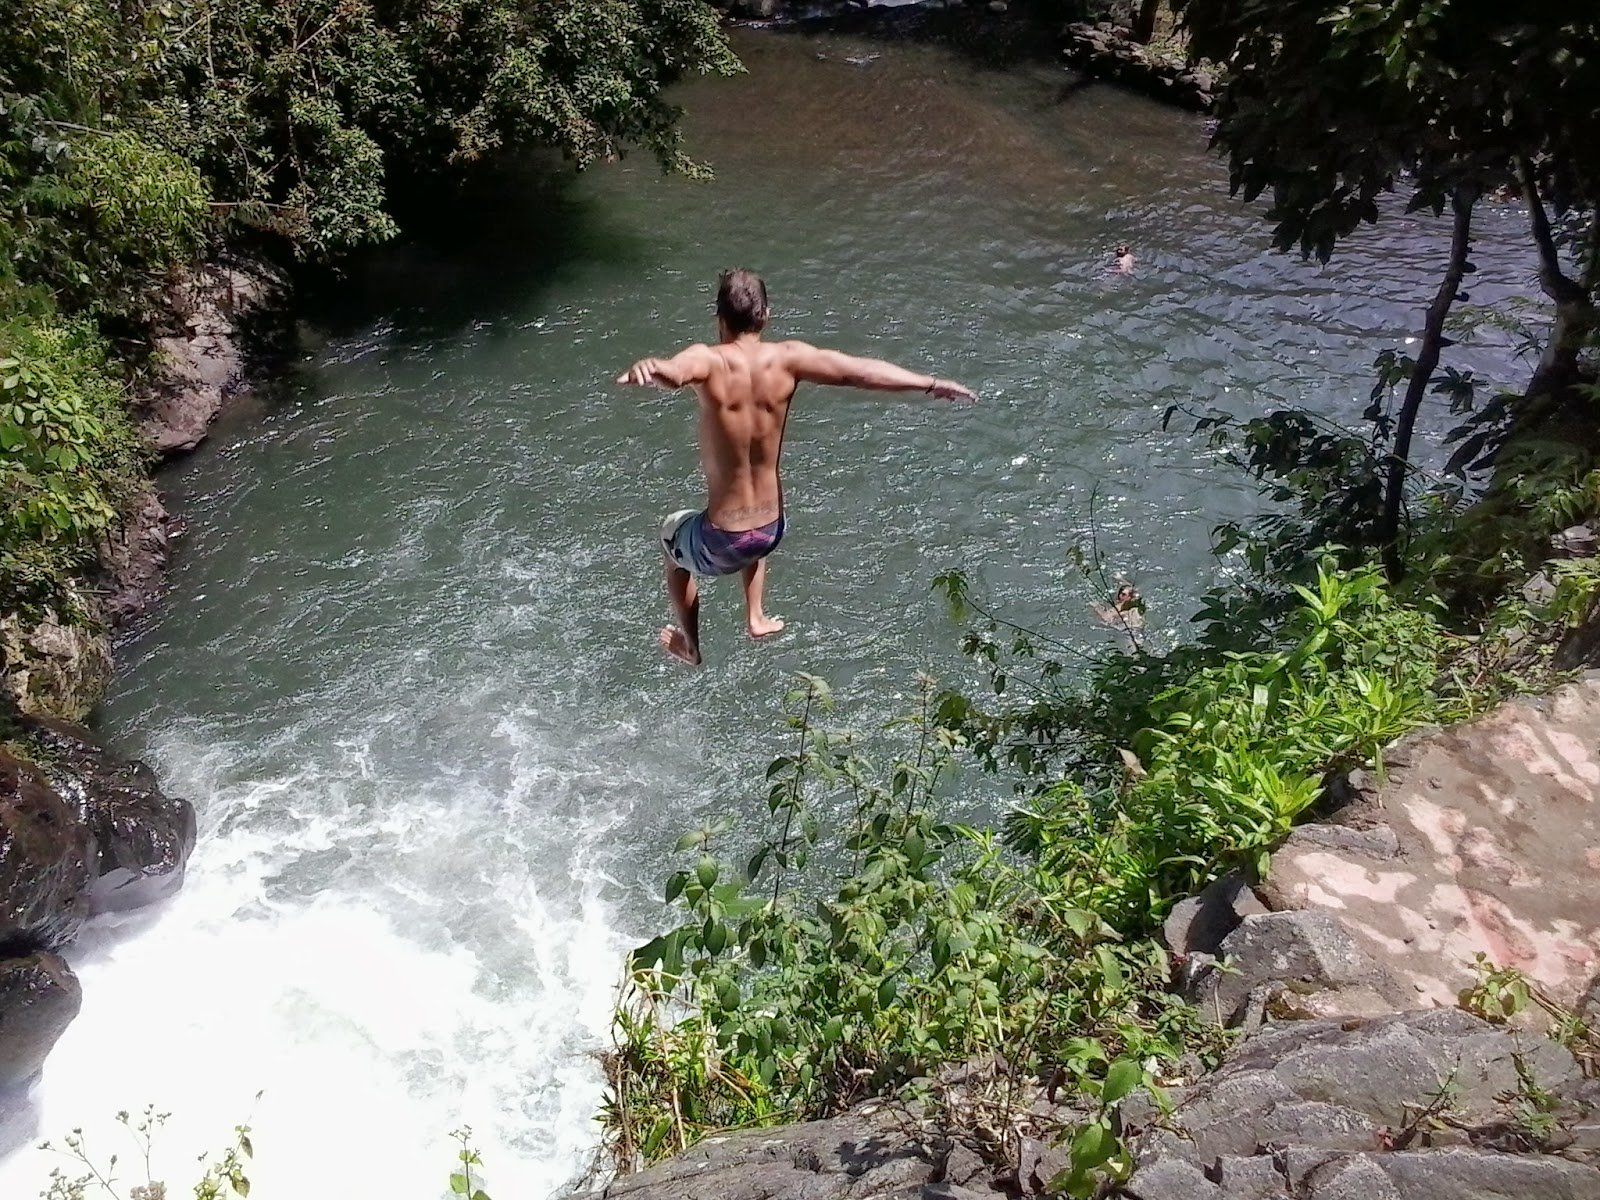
(829, 367)
(689, 366)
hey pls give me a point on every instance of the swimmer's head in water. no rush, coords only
(742, 302)
(1123, 252)
(1126, 595)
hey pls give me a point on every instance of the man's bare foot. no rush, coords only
(677, 644)
(765, 627)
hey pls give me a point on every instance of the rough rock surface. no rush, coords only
(1105, 51)
(1483, 839)
(46, 861)
(1420, 1106)
(1200, 924)
(133, 561)
(202, 362)
(39, 996)
(866, 1155)
(144, 837)
(1306, 961)
(54, 667)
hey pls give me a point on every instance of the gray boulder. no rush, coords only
(39, 996)
(1469, 1175)
(1333, 1110)
(865, 1155)
(1199, 924)
(1301, 954)
(47, 858)
(1171, 1179)
(144, 837)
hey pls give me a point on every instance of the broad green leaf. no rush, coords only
(1122, 1078)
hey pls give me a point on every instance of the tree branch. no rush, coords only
(1552, 278)
(1461, 202)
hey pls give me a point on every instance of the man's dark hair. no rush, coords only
(742, 301)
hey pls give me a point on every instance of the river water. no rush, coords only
(408, 671)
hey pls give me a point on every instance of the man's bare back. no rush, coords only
(745, 387)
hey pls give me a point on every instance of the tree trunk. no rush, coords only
(1144, 21)
(1461, 202)
(1575, 312)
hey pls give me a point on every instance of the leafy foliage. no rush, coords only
(1228, 759)
(67, 458)
(862, 946)
(1331, 104)
(867, 943)
(301, 113)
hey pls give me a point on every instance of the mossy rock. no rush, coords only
(55, 667)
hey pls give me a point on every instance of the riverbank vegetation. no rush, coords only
(136, 140)
(864, 941)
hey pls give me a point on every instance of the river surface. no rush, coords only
(408, 673)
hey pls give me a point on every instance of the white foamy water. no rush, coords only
(373, 1011)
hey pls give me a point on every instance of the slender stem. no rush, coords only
(922, 749)
(794, 795)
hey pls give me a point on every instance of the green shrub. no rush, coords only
(1227, 759)
(98, 218)
(864, 945)
(67, 457)
(866, 942)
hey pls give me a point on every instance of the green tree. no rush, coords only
(1330, 104)
(301, 113)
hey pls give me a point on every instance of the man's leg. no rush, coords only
(682, 640)
(755, 582)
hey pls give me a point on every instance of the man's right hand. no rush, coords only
(949, 389)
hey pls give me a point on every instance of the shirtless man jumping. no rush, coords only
(745, 386)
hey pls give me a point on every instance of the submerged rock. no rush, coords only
(39, 996)
(144, 837)
(47, 860)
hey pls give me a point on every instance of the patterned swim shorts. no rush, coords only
(695, 544)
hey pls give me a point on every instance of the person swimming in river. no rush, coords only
(1125, 614)
(745, 386)
(1123, 260)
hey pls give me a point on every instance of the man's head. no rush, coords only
(741, 303)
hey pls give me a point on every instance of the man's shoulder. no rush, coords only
(791, 350)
